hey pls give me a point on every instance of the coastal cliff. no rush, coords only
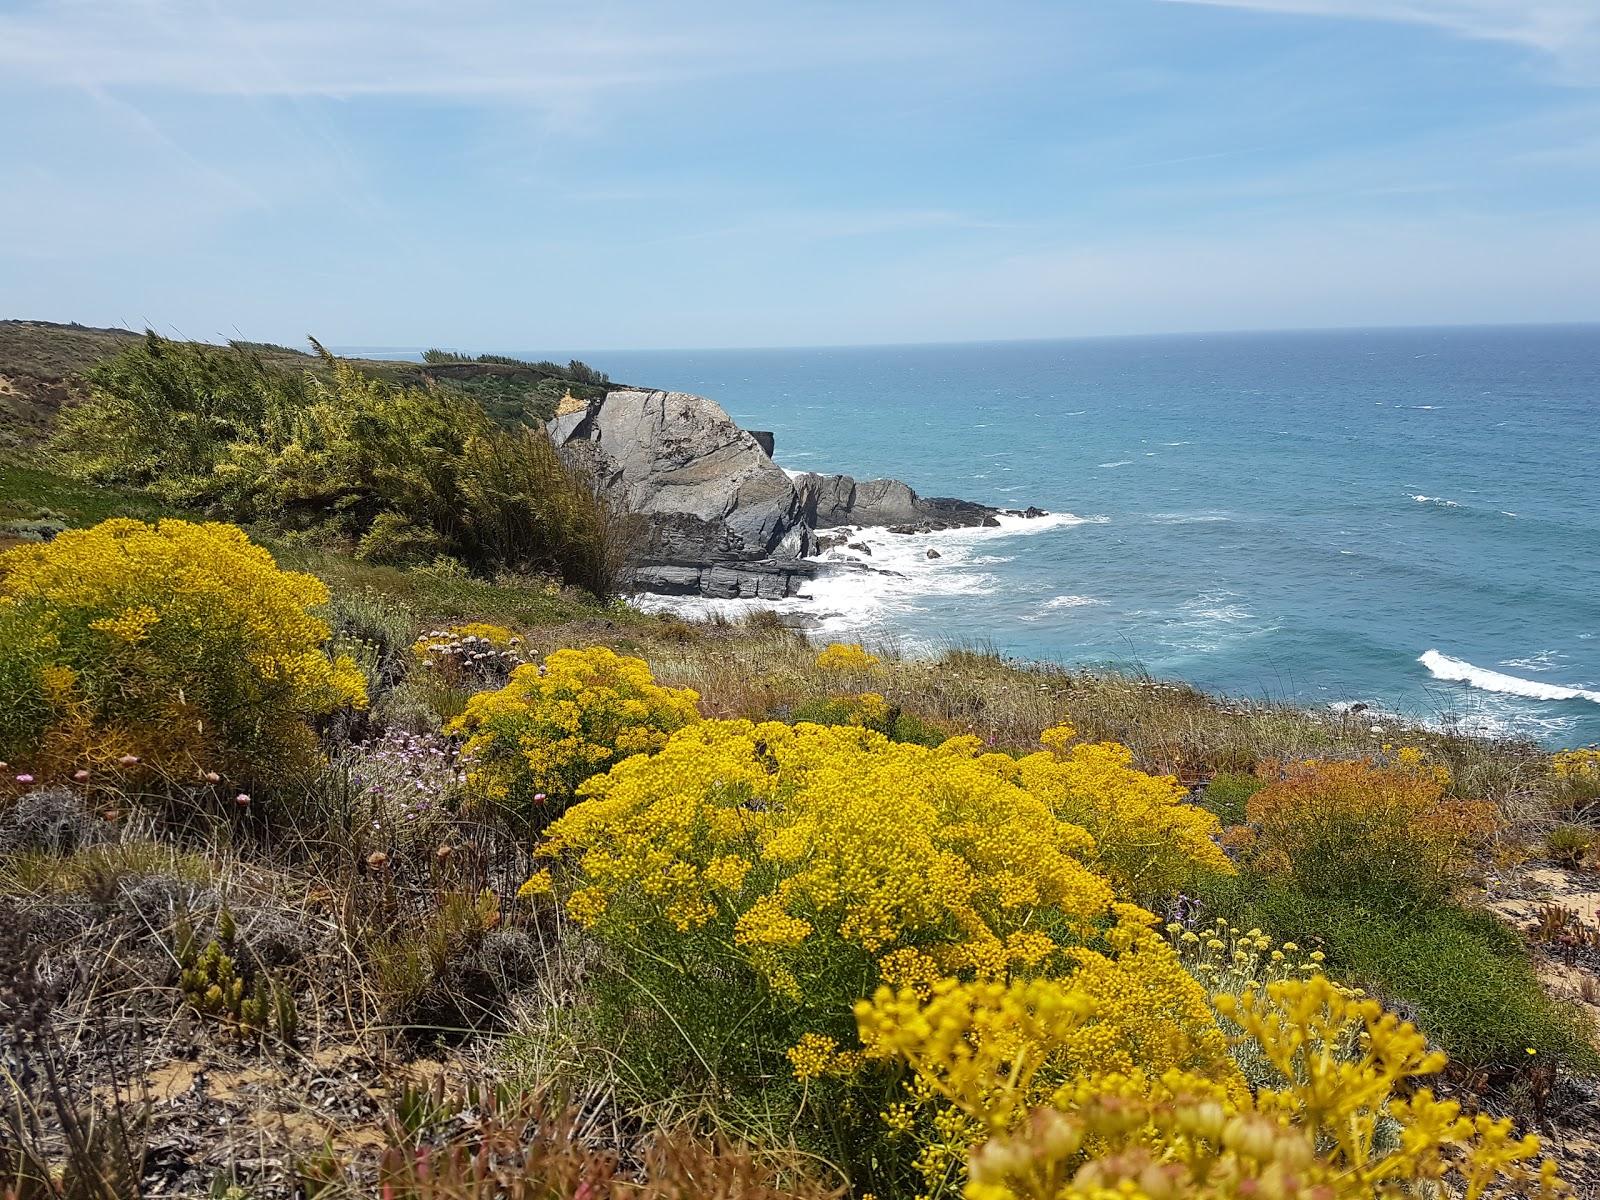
(722, 518)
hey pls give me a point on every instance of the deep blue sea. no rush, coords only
(1409, 518)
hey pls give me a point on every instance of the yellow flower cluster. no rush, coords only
(1007, 974)
(1148, 838)
(1577, 764)
(531, 743)
(1226, 960)
(983, 1054)
(846, 656)
(1341, 1122)
(180, 644)
(809, 842)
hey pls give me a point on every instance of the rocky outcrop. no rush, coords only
(830, 500)
(723, 519)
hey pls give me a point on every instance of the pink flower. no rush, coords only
(213, 777)
(129, 760)
(242, 800)
(81, 776)
(24, 778)
(538, 798)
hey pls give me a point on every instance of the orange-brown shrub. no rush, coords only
(1385, 834)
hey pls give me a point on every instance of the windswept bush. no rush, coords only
(179, 648)
(530, 744)
(402, 475)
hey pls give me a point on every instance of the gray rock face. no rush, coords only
(723, 519)
(710, 490)
(829, 500)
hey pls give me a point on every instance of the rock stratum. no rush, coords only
(722, 519)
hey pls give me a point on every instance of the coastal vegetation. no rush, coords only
(352, 843)
(394, 474)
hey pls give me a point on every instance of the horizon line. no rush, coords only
(1587, 323)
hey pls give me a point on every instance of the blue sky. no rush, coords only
(513, 174)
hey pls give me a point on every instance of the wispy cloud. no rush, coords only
(548, 52)
(1567, 30)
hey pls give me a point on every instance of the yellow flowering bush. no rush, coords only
(799, 850)
(754, 881)
(1343, 1120)
(1148, 837)
(846, 657)
(531, 743)
(181, 645)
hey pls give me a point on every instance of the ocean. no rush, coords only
(1404, 518)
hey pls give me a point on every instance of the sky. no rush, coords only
(536, 176)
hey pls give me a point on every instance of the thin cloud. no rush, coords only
(546, 53)
(1567, 30)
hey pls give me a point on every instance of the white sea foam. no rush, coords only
(864, 593)
(1542, 661)
(1121, 462)
(1488, 716)
(1455, 670)
(1070, 602)
(1439, 500)
(1202, 517)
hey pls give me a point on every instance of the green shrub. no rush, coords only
(1226, 795)
(1375, 836)
(1571, 845)
(1463, 976)
(402, 475)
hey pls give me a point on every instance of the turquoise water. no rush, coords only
(1296, 516)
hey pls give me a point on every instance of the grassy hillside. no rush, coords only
(42, 365)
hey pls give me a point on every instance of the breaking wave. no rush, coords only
(1455, 670)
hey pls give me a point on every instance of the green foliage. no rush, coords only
(402, 474)
(1226, 795)
(1381, 836)
(575, 371)
(250, 1003)
(1461, 975)
(1571, 845)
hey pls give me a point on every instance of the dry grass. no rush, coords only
(763, 671)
